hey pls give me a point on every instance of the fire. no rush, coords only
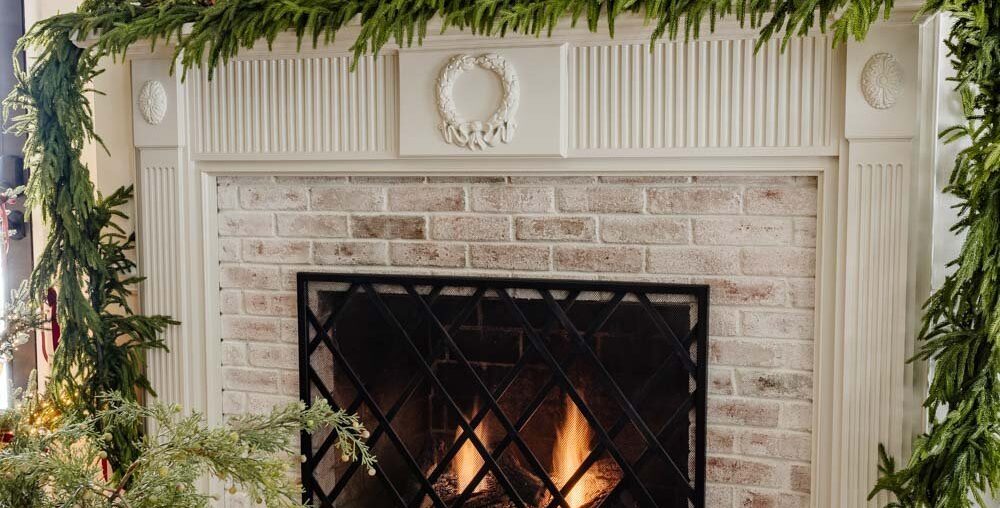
(468, 461)
(571, 449)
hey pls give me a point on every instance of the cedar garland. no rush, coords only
(958, 455)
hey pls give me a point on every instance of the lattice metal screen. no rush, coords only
(442, 369)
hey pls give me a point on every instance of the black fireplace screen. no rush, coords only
(483, 392)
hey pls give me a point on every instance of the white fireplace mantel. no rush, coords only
(854, 116)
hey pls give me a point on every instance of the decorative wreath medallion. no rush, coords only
(882, 81)
(153, 102)
(478, 134)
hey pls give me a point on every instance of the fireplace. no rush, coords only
(489, 392)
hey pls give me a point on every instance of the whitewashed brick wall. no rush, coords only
(751, 238)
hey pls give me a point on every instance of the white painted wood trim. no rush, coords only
(865, 160)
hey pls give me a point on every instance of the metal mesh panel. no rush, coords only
(410, 352)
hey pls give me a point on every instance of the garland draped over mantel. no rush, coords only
(104, 342)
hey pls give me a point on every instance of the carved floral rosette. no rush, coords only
(882, 81)
(153, 102)
(478, 134)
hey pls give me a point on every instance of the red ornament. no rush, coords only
(53, 304)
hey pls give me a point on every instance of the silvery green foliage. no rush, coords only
(58, 462)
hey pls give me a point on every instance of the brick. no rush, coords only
(761, 353)
(259, 404)
(803, 292)
(771, 384)
(800, 478)
(645, 180)
(781, 261)
(555, 228)
(723, 321)
(720, 381)
(404, 227)
(233, 402)
(598, 259)
(312, 225)
(249, 380)
(275, 356)
(778, 325)
(746, 291)
(471, 228)
(760, 498)
(234, 353)
(230, 301)
(796, 416)
(388, 179)
(694, 200)
(775, 180)
(467, 179)
(346, 199)
(775, 444)
(758, 413)
(288, 382)
(743, 231)
(276, 251)
(426, 199)
(250, 328)
(720, 439)
(262, 303)
(742, 472)
(718, 495)
(600, 199)
(289, 330)
(560, 180)
(781, 201)
(229, 249)
(311, 180)
(246, 224)
(250, 277)
(694, 260)
(227, 197)
(427, 254)
(805, 232)
(273, 197)
(512, 199)
(645, 230)
(509, 256)
(350, 253)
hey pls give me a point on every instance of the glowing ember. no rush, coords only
(468, 461)
(571, 449)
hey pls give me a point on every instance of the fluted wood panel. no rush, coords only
(297, 107)
(874, 322)
(159, 235)
(702, 95)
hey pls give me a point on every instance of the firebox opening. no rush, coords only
(492, 397)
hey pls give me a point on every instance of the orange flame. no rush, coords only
(571, 449)
(468, 461)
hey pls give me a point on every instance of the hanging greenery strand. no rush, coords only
(959, 455)
(958, 459)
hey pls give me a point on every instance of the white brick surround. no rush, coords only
(752, 239)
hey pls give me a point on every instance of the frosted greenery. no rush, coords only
(57, 462)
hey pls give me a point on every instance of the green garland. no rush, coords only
(959, 454)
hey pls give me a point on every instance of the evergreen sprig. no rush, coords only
(59, 463)
(957, 458)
